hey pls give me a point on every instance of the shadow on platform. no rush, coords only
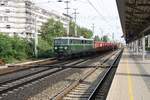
(133, 74)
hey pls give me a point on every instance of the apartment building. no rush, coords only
(23, 18)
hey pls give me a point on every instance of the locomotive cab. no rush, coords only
(61, 46)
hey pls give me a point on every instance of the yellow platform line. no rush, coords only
(130, 87)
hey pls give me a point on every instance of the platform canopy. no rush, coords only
(135, 18)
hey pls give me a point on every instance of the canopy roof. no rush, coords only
(135, 18)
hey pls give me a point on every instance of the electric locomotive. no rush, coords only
(71, 46)
(66, 47)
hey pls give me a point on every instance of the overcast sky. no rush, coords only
(106, 18)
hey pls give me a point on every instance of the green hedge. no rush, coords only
(14, 48)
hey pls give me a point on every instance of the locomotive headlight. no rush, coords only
(65, 48)
(55, 48)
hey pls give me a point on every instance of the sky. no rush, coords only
(102, 13)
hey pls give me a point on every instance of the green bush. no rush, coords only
(14, 48)
(44, 49)
(17, 49)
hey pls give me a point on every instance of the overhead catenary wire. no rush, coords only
(101, 3)
(108, 12)
(99, 13)
(92, 5)
(96, 10)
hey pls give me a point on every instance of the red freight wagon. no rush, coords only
(103, 46)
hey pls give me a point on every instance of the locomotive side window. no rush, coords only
(73, 41)
(91, 42)
(78, 42)
(70, 41)
(82, 42)
(56, 41)
(61, 41)
(87, 41)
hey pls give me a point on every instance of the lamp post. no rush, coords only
(35, 39)
(75, 18)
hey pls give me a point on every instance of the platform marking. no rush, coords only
(130, 87)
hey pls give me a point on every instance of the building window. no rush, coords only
(8, 26)
(7, 11)
(6, 18)
(28, 12)
(28, 21)
(3, 3)
(28, 4)
(1, 18)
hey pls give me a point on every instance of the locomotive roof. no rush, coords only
(77, 38)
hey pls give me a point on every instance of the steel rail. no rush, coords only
(31, 78)
(24, 67)
(66, 90)
(93, 94)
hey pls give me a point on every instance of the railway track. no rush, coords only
(101, 90)
(27, 76)
(86, 87)
(18, 68)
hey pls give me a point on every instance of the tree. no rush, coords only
(97, 38)
(87, 33)
(72, 29)
(44, 49)
(105, 38)
(52, 29)
(81, 31)
(49, 31)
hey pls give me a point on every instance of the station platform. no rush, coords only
(132, 78)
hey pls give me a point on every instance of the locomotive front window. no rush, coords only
(61, 41)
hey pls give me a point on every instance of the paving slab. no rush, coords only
(132, 78)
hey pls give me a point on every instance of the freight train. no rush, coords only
(75, 46)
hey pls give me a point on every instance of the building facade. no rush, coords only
(23, 18)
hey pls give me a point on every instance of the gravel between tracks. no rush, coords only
(53, 89)
(60, 85)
